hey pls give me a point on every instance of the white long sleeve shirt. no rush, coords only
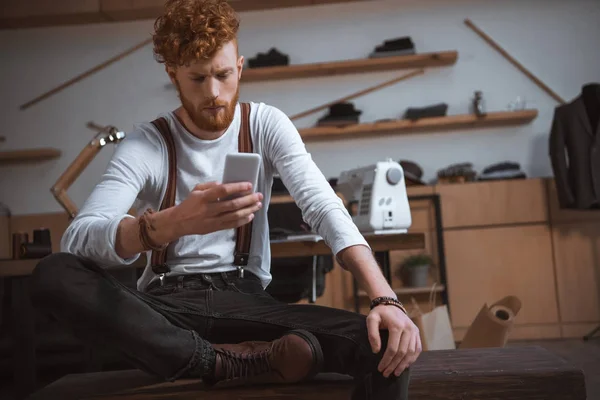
(138, 172)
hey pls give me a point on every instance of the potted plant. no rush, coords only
(415, 270)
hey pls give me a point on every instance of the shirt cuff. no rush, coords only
(111, 239)
(340, 232)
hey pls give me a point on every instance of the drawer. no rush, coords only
(493, 203)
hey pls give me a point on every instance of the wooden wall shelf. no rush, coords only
(438, 59)
(453, 122)
(28, 156)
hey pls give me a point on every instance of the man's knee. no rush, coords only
(373, 359)
(50, 276)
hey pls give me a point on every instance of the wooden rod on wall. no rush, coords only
(94, 126)
(513, 61)
(358, 94)
(86, 74)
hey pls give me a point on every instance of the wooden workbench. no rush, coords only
(499, 373)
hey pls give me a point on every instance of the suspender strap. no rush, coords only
(159, 258)
(244, 232)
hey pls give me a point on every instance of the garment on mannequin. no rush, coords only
(591, 98)
(574, 147)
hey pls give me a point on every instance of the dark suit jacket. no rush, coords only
(575, 156)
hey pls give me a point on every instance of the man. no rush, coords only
(204, 317)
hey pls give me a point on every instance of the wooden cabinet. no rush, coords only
(577, 261)
(479, 204)
(422, 211)
(487, 264)
(423, 221)
(576, 244)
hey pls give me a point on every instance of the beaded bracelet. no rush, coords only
(388, 301)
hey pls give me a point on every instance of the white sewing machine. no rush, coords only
(380, 191)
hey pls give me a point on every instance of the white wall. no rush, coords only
(556, 39)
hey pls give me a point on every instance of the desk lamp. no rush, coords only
(105, 135)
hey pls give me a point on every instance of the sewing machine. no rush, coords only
(380, 193)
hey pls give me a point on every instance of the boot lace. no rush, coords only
(237, 365)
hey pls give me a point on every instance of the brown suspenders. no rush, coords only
(244, 233)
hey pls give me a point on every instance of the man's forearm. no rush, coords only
(128, 243)
(360, 262)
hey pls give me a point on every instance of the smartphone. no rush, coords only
(242, 167)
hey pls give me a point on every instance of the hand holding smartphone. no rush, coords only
(206, 209)
(242, 167)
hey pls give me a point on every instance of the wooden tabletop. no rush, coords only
(279, 249)
(399, 241)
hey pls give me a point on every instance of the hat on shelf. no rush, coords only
(394, 47)
(340, 114)
(413, 173)
(270, 59)
(434, 110)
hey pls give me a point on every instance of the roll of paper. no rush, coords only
(492, 325)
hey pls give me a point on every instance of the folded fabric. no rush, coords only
(458, 170)
(501, 175)
(435, 110)
(502, 170)
(273, 58)
(502, 166)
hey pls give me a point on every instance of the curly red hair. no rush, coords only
(192, 30)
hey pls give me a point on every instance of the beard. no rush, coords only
(206, 121)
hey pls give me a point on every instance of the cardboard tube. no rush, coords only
(502, 314)
(492, 325)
